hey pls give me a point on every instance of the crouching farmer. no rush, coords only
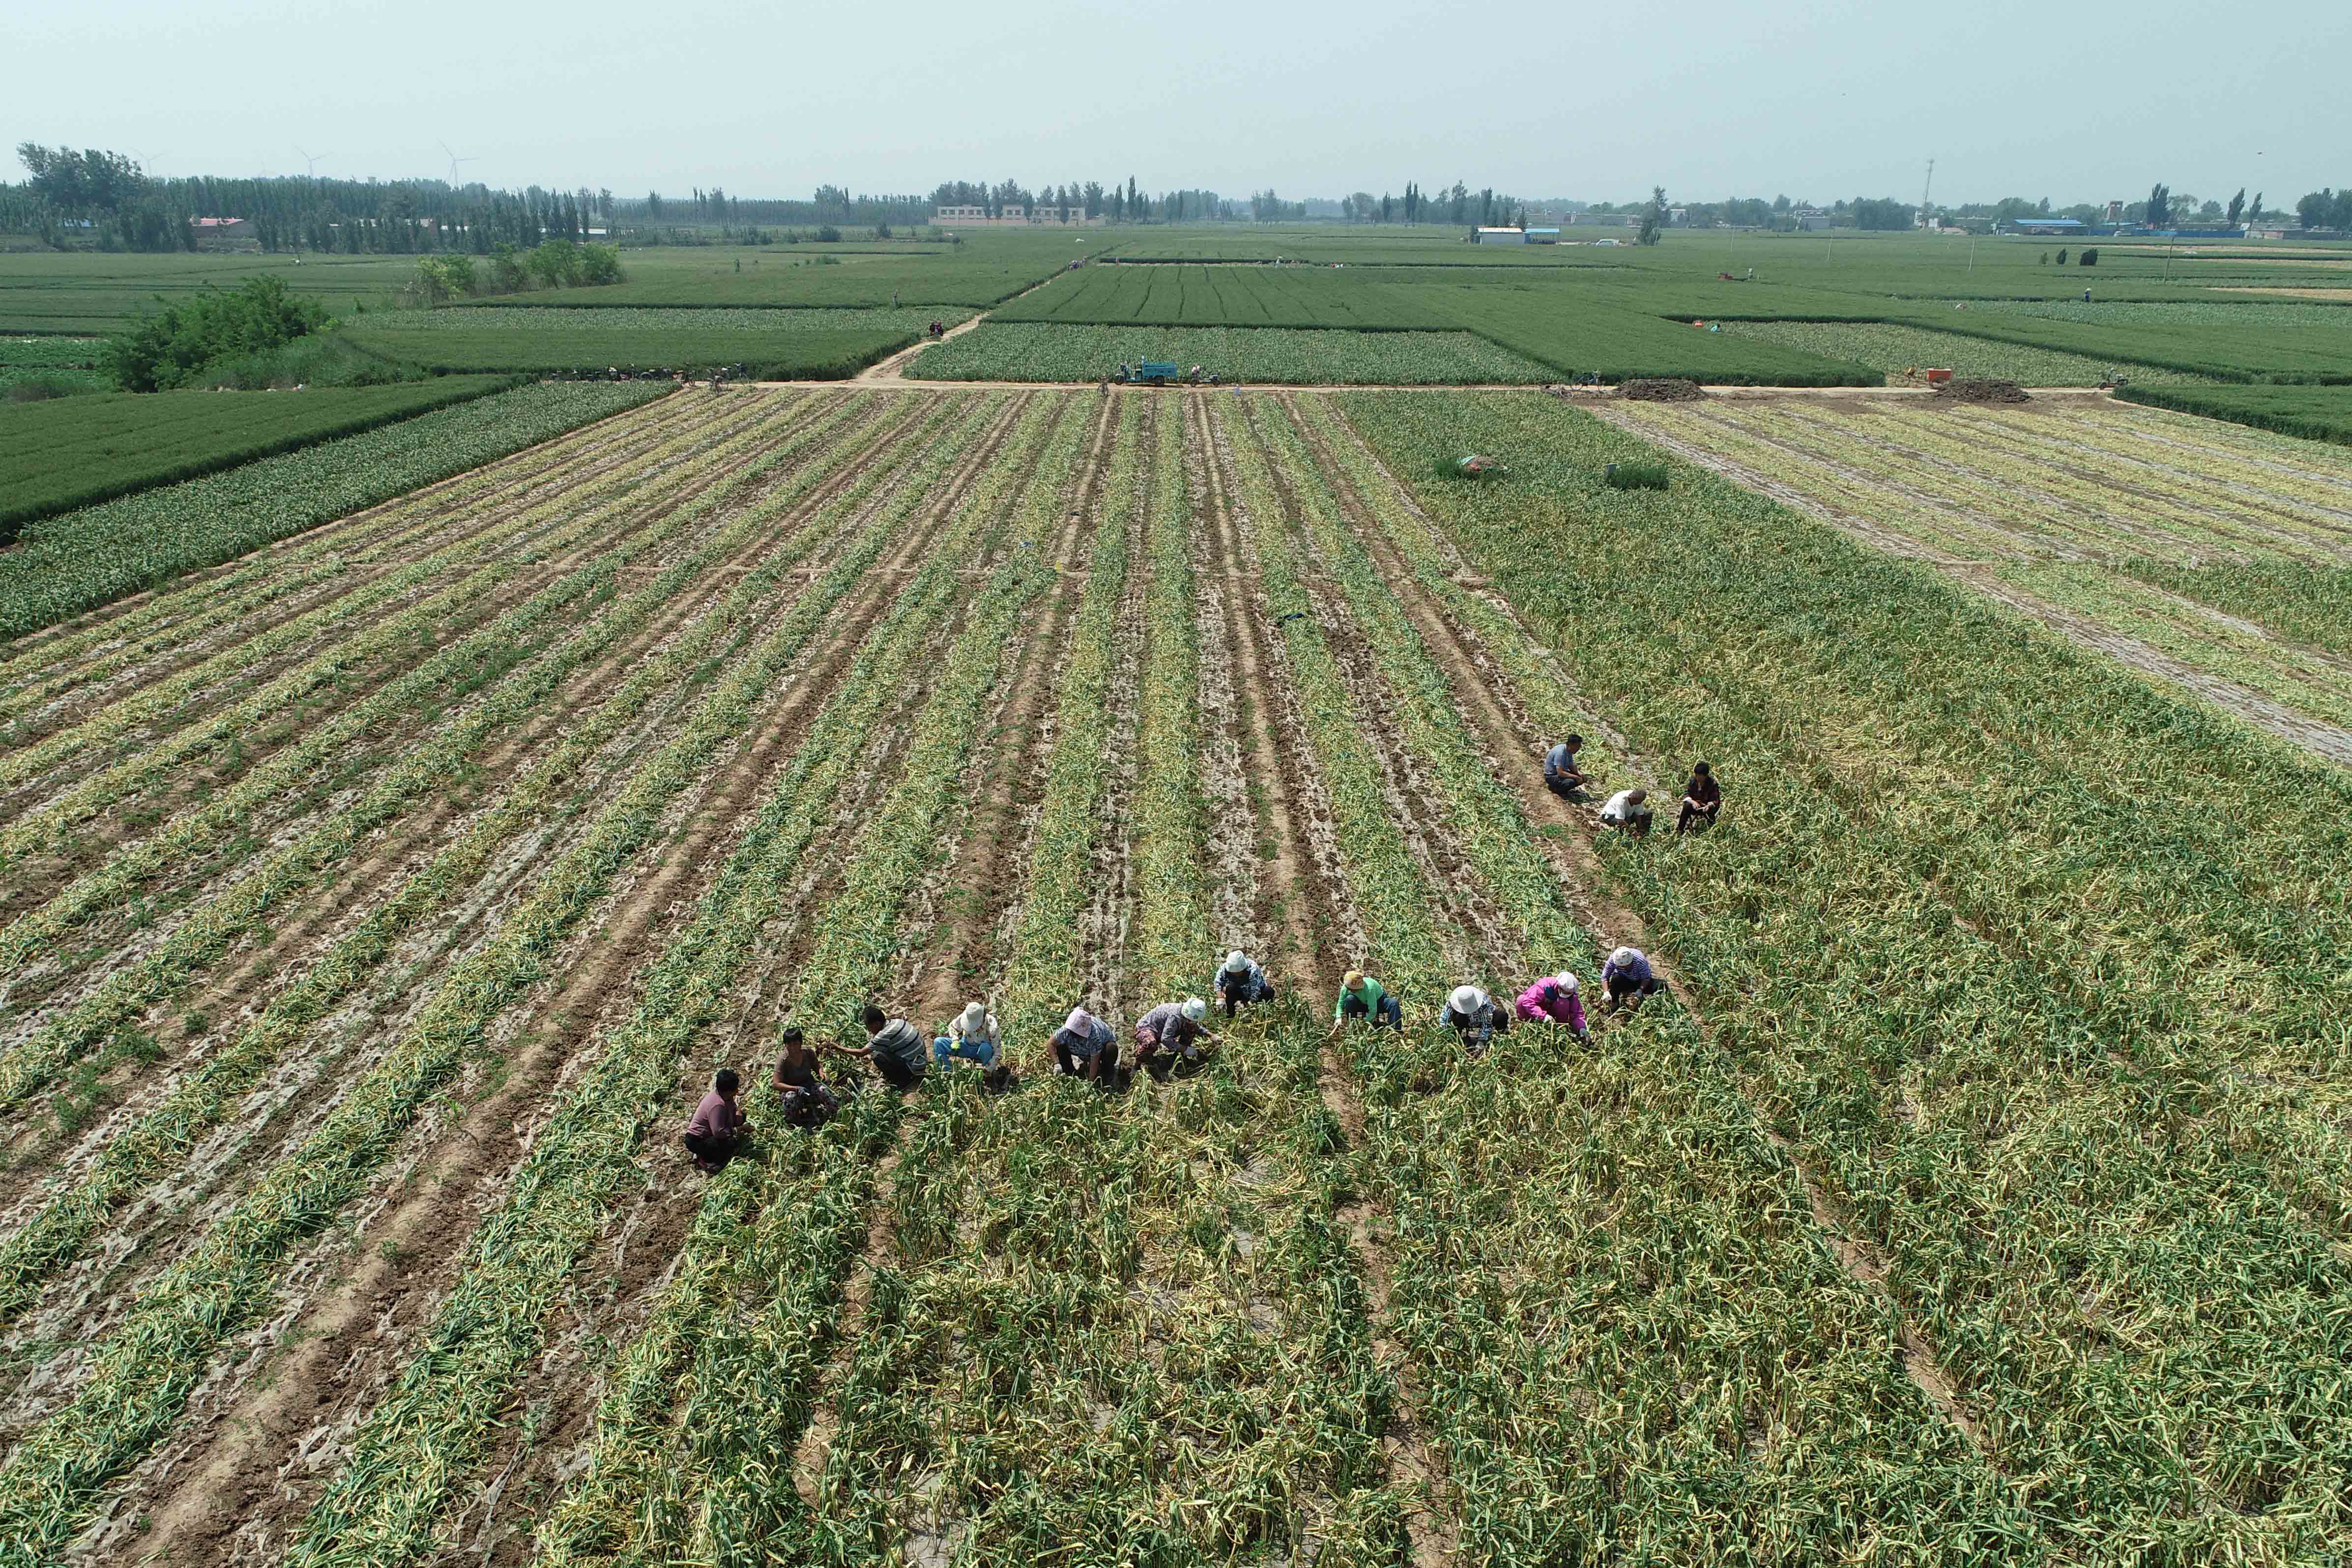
(719, 1130)
(1085, 1047)
(1361, 996)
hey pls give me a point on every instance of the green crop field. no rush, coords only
(2319, 413)
(1052, 351)
(817, 344)
(75, 452)
(398, 835)
(67, 362)
(1884, 346)
(1926, 1214)
(69, 561)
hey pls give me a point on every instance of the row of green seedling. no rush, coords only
(51, 669)
(460, 573)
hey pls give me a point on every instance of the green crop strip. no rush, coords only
(213, 929)
(145, 1371)
(1109, 1323)
(457, 576)
(138, 1155)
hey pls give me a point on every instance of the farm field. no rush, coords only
(1053, 352)
(373, 911)
(769, 344)
(2315, 413)
(47, 291)
(2071, 513)
(64, 453)
(67, 362)
(985, 269)
(1885, 346)
(74, 561)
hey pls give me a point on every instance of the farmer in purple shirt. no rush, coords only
(1170, 1036)
(1626, 978)
(717, 1131)
(1554, 999)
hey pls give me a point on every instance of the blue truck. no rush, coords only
(1149, 372)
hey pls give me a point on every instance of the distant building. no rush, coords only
(2115, 212)
(1543, 236)
(2048, 225)
(1008, 216)
(1812, 218)
(1502, 236)
(221, 227)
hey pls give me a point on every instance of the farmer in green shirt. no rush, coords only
(1361, 996)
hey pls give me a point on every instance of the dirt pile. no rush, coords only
(1981, 390)
(1661, 391)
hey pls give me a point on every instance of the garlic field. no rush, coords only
(1980, 1194)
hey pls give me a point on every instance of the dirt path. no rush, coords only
(893, 370)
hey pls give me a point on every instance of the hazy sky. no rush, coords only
(1817, 99)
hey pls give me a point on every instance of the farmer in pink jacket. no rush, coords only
(1554, 999)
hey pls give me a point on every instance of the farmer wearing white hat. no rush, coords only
(1085, 1047)
(973, 1036)
(1170, 1036)
(1240, 980)
(1627, 977)
(1554, 999)
(1471, 1014)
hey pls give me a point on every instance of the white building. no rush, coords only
(1502, 236)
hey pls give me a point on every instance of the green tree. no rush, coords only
(2237, 208)
(176, 346)
(82, 184)
(2160, 207)
(1653, 217)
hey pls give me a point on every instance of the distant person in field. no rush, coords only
(1702, 798)
(1471, 1014)
(1361, 996)
(1561, 775)
(717, 1131)
(1085, 1047)
(1175, 1038)
(1628, 811)
(1626, 978)
(1554, 999)
(1240, 982)
(893, 1045)
(807, 1102)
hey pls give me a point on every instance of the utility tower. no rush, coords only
(1925, 220)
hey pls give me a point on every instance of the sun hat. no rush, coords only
(1236, 962)
(1352, 981)
(1194, 1008)
(1465, 999)
(975, 1018)
(1623, 956)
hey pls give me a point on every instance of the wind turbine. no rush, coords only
(312, 159)
(454, 161)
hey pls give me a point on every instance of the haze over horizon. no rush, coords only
(1819, 101)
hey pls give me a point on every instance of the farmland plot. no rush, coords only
(2157, 539)
(372, 920)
